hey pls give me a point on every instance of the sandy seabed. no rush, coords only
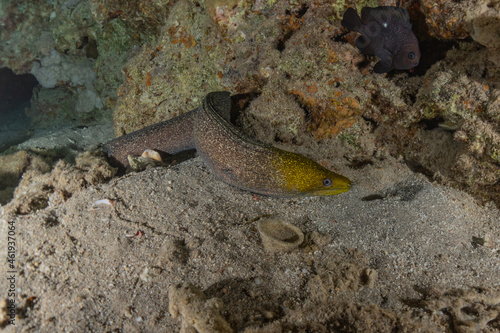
(175, 249)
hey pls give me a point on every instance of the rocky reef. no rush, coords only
(73, 52)
(300, 84)
(149, 61)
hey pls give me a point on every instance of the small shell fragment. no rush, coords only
(279, 236)
(152, 154)
(149, 158)
(138, 234)
(109, 202)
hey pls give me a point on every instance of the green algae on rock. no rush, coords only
(71, 53)
(165, 77)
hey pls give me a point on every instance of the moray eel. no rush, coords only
(235, 158)
(167, 137)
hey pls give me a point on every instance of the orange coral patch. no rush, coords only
(332, 57)
(179, 34)
(328, 117)
(312, 89)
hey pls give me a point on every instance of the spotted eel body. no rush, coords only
(234, 157)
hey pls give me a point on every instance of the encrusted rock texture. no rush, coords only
(148, 61)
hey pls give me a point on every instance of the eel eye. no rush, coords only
(327, 182)
(411, 55)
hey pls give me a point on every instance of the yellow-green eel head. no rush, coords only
(252, 165)
(300, 175)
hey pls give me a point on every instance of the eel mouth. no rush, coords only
(339, 186)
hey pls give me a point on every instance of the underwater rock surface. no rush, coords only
(308, 82)
(156, 60)
(74, 56)
(397, 252)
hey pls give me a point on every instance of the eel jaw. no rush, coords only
(340, 184)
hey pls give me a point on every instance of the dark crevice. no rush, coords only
(15, 95)
(88, 44)
(91, 50)
(307, 112)
(365, 63)
(287, 32)
(411, 99)
(357, 164)
(430, 124)
(83, 43)
(432, 50)
(278, 139)
(240, 102)
(282, 41)
(340, 38)
(372, 122)
(419, 168)
(302, 11)
(298, 13)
